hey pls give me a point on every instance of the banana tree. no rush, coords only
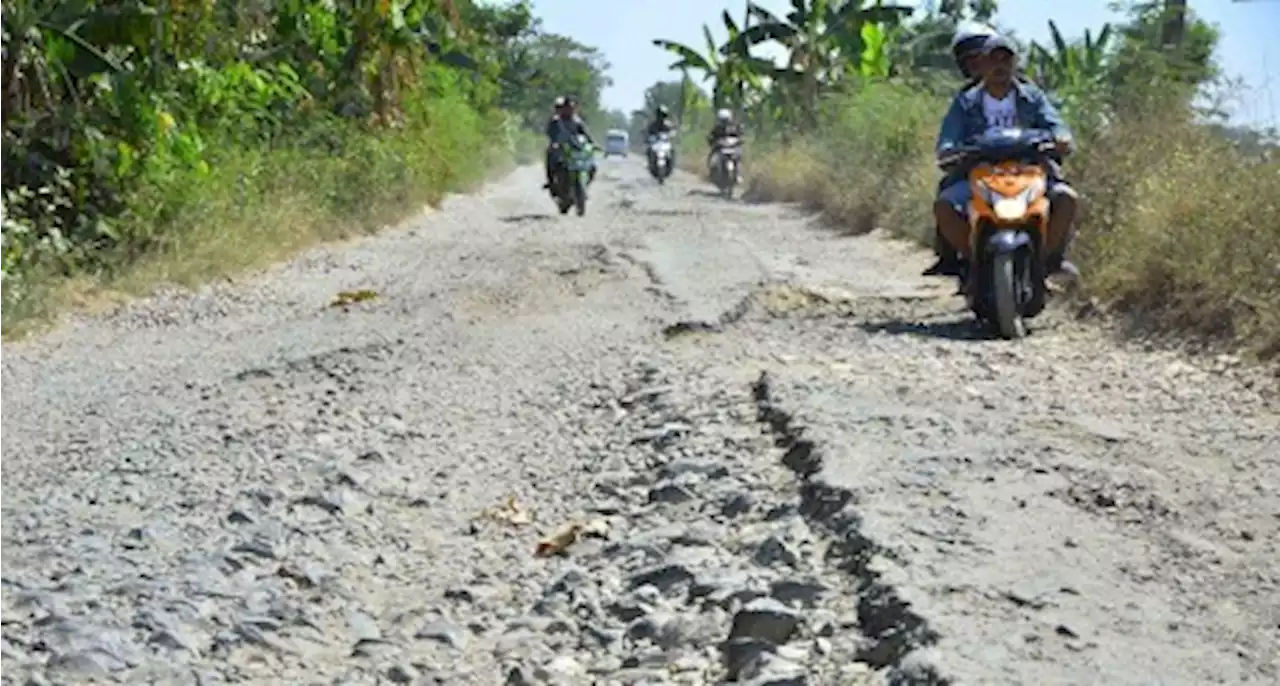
(824, 39)
(1074, 72)
(1068, 64)
(732, 72)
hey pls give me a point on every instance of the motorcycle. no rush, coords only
(725, 160)
(660, 159)
(1005, 282)
(573, 175)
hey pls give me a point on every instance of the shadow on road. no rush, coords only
(668, 213)
(522, 218)
(963, 329)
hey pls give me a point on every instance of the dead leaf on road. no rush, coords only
(350, 297)
(559, 542)
(511, 512)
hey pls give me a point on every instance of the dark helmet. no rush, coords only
(969, 40)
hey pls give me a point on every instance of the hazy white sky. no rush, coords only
(623, 29)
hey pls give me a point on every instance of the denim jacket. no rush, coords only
(965, 119)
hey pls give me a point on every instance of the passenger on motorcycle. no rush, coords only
(661, 123)
(562, 127)
(966, 50)
(724, 128)
(1001, 100)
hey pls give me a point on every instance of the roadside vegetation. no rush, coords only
(149, 143)
(1180, 231)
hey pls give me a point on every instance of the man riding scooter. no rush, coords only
(725, 127)
(1001, 100)
(967, 50)
(562, 127)
(661, 124)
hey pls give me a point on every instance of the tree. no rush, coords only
(616, 119)
(1146, 60)
(731, 67)
(824, 39)
(1074, 72)
(925, 44)
(543, 66)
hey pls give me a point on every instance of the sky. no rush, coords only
(624, 29)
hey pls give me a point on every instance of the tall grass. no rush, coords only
(256, 205)
(1180, 231)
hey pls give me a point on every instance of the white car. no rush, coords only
(617, 142)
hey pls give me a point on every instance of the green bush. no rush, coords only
(1180, 231)
(145, 145)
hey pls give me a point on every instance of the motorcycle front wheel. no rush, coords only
(728, 177)
(1004, 293)
(579, 194)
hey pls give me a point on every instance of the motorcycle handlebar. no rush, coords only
(952, 158)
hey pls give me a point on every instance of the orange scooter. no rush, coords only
(1008, 225)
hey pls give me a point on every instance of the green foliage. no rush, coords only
(539, 67)
(118, 116)
(1076, 73)
(1159, 240)
(1143, 66)
(731, 67)
(829, 43)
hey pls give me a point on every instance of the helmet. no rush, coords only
(724, 115)
(993, 43)
(559, 102)
(662, 111)
(969, 39)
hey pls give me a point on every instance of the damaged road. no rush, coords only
(677, 441)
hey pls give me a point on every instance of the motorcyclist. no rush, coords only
(660, 124)
(967, 51)
(563, 126)
(724, 127)
(1002, 100)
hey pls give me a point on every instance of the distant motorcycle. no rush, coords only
(726, 159)
(661, 162)
(573, 174)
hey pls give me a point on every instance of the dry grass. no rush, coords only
(259, 207)
(1180, 233)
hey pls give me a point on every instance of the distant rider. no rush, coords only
(725, 127)
(1002, 100)
(661, 123)
(561, 129)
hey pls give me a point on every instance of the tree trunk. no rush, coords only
(1175, 23)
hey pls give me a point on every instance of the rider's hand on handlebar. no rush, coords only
(948, 158)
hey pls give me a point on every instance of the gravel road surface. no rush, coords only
(680, 440)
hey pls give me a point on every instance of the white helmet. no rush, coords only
(969, 38)
(724, 115)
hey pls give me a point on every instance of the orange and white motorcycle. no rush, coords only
(1008, 225)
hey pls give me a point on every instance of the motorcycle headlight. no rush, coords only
(1013, 207)
(1010, 208)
